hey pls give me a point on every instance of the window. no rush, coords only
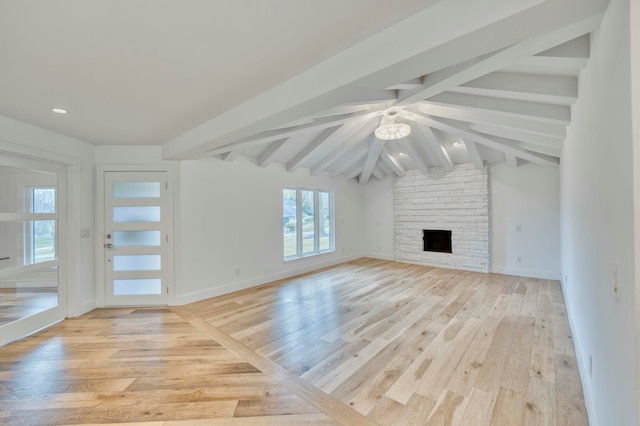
(41, 234)
(307, 222)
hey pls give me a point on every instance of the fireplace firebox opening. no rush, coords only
(437, 240)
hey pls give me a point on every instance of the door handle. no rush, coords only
(108, 246)
(4, 258)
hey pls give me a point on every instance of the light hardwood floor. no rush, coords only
(367, 342)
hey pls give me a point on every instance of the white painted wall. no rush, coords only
(378, 218)
(231, 218)
(19, 138)
(527, 196)
(598, 224)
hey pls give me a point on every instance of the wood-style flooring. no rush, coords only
(366, 342)
(16, 303)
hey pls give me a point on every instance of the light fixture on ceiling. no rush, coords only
(59, 110)
(455, 144)
(389, 130)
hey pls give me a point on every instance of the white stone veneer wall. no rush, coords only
(456, 201)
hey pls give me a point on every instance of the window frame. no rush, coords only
(29, 244)
(316, 220)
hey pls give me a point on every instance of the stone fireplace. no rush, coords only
(446, 212)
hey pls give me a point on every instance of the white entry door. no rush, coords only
(136, 238)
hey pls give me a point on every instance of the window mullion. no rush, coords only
(316, 222)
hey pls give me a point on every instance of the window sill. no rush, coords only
(307, 256)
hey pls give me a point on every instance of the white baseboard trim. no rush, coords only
(380, 256)
(582, 368)
(529, 273)
(184, 299)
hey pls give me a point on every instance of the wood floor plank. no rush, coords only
(365, 342)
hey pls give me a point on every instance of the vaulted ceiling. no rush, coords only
(304, 83)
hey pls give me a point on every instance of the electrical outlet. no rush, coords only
(519, 259)
(378, 246)
(518, 227)
(237, 271)
(85, 233)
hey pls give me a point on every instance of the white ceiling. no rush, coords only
(302, 82)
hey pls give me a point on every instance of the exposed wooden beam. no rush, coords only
(380, 61)
(378, 173)
(344, 146)
(512, 160)
(319, 124)
(416, 156)
(353, 156)
(540, 88)
(494, 118)
(557, 114)
(426, 134)
(267, 156)
(391, 161)
(474, 155)
(509, 148)
(518, 135)
(372, 158)
(353, 172)
(231, 155)
(308, 150)
(457, 75)
(412, 84)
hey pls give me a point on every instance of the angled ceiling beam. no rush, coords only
(267, 156)
(507, 148)
(518, 135)
(414, 83)
(474, 155)
(319, 124)
(494, 118)
(372, 158)
(426, 134)
(512, 160)
(353, 172)
(353, 156)
(552, 152)
(344, 146)
(378, 173)
(319, 148)
(230, 156)
(416, 156)
(429, 43)
(307, 151)
(457, 75)
(391, 161)
(549, 89)
(548, 113)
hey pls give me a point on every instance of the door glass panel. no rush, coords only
(27, 191)
(28, 293)
(308, 222)
(43, 244)
(134, 287)
(27, 242)
(136, 190)
(145, 262)
(136, 238)
(136, 214)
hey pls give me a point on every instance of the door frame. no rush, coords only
(33, 322)
(101, 287)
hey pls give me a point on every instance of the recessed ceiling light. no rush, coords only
(402, 153)
(59, 110)
(456, 144)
